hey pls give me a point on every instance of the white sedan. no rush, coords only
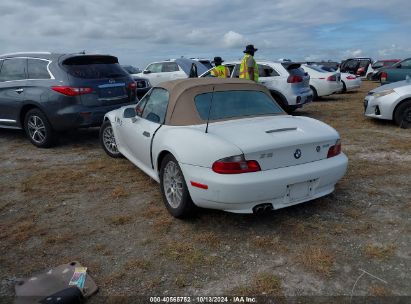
(323, 83)
(225, 144)
(391, 101)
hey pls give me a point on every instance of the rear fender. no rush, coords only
(192, 146)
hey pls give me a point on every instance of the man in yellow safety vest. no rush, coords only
(219, 71)
(248, 67)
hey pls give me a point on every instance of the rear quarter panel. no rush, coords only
(191, 145)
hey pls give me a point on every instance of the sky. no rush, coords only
(139, 32)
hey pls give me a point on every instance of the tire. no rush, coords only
(344, 89)
(402, 115)
(108, 141)
(290, 109)
(369, 76)
(38, 129)
(315, 95)
(174, 189)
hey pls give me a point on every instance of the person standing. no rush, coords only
(248, 67)
(219, 71)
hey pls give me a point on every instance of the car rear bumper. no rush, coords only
(80, 116)
(240, 193)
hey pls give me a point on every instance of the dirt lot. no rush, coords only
(73, 202)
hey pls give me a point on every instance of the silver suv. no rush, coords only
(288, 83)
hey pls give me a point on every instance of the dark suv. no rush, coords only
(44, 92)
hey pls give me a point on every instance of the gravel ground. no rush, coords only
(73, 202)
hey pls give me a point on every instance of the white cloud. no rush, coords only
(233, 39)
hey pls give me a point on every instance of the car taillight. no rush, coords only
(72, 91)
(332, 78)
(351, 77)
(384, 76)
(235, 165)
(294, 79)
(334, 150)
(132, 85)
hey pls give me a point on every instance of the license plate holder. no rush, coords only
(112, 90)
(299, 191)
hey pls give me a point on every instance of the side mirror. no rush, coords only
(399, 66)
(129, 113)
(146, 72)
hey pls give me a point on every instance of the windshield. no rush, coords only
(234, 104)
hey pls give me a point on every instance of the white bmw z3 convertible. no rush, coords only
(224, 144)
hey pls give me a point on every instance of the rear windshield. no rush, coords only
(94, 67)
(234, 104)
(297, 72)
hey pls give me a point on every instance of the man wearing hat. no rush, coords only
(219, 71)
(248, 67)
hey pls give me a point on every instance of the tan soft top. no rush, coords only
(181, 109)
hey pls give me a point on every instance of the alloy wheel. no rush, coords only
(173, 184)
(109, 140)
(37, 129)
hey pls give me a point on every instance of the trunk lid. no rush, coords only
(278, 141)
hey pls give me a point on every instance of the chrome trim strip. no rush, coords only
(8, 120)
(281, 130)
(48, 69)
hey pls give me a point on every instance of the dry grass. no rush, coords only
(379, 291)
(118, 220)
(317, 259)
(137, 264)
(118, 192)
(59, 239)
(162, 224)
(210, 239)
(261, 284)
(23, 230)
(186, 255)
(181, 281)
(379, 251)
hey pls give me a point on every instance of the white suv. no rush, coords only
(171, 69)
(287, 82)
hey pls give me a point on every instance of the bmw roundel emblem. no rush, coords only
(297, 154)
(318, 148)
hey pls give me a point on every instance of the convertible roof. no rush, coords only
(181, 109)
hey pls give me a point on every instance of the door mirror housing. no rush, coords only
(129, 113)
(399, 66)
(146, 72)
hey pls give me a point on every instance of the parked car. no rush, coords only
(225, 144)
(360, 66)
(378, 65)
(287, 82)
(171, 69)
(397, 72)
(350, 82)
(203, 61)
(143, 84)
(43, 93)
(392, 102)
(323, 83)
(131, 69)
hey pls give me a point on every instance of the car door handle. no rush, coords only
(146, 134)
(19, 91)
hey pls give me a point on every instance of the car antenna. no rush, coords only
(209, 110)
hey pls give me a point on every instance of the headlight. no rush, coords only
(383, 93)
